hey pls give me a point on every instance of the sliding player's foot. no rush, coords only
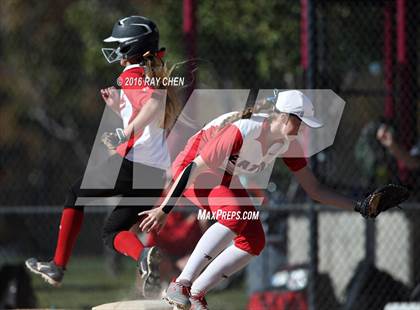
(178, 295)
(149, 271)
(49, 271)
(198, 302)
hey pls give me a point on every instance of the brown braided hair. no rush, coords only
(260, 105)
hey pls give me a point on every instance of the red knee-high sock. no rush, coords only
(71, 222)
(127, 243)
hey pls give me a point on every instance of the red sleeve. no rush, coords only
(226, 143)
(295, 163)
(133, 87)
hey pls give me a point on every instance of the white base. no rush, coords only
(135, 305)
(402, 306)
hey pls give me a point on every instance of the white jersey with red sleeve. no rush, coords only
(238, 148)
(149, 145)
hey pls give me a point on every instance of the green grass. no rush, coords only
(87, 283)
(232, 299)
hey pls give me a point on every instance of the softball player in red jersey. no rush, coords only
(140, 146)
(206, 172)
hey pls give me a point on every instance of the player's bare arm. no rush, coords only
(156, 218)
(320, 192)
(382, 199)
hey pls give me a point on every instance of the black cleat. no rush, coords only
(149, 270)
(49, 271)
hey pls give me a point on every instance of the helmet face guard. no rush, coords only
(112, 54)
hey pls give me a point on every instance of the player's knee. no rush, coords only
(253, 246)
(109, 231)
(259, 244)
(71, 198)
(71, 202)
(252, 239)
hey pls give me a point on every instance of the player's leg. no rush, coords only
(216, 238)
(71, 222)
(248, 244)
(72, 216)
(147, 183)
(213, 236)
(213, 241)
(70, 225)
(118, 236)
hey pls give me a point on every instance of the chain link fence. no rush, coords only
(366, 51)
(340, 247)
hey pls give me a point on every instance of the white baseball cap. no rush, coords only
(296, 103)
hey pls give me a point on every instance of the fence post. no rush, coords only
(308, 42)
(370, 235)
(190, 36)
(313, 256)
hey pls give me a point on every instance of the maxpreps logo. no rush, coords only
(227, 215)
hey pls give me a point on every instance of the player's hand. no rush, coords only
(113, 139)
(111, 96)
(385, 136)
(155, 219)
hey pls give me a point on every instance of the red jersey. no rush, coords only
(238, 148)
(147, 146)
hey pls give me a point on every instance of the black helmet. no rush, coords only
(136, 36)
